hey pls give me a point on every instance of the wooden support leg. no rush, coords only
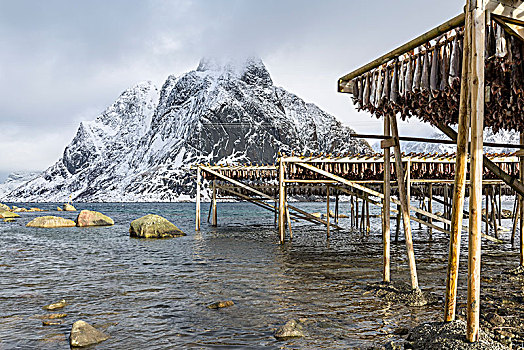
(198, 184)
(214, 217)
(397, 227)
(521, 163)
(499, 207)
(487, 211)
(368, 222)
(430, 209)
(327, 211)
(494, 210)
(281, 200)
(289, 223)
(336, 208)
(356, 213)
(403, 196)
(476, 25)
(352, 211)
(516, 215)
(386, 213)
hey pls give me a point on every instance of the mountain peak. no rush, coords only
(249, 69)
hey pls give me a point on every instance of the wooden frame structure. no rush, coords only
(470, 126)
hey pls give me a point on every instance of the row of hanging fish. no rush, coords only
(426, 84)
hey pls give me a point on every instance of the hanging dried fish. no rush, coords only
(394, 85)
(378, 94)
(444, 73)
(385, 91)
(408, 79)
(433, 80)
(367, 89)
(424, 80)
(401, 80)
(418, 75)
(490, 41)
(454, 68)
(373, 89)
(500, 42)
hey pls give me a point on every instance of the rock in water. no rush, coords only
(153, 226)
(51, 222)
(4, 214)
(59, 209)
(221, 304)
(58, 305)
(9, 220)
(93, 218)
(69, 207)
(292, 329)
(83, 334)
(4, 207)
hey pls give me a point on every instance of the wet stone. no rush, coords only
(52, 323)
(292, 329)
(83, 334)
(57, 305)
(220, 304)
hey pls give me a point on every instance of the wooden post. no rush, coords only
(197, 218)
(446, 206)
(368, 223)
(336, 208)
(487, 209)
(476, 25)
(356, 213)
(499, 208)
(404, 204)
(214, 204)
(397, 227)
(352, 211)
(288, 218)
(521, 165)
(281, 200)
(494, 210)
(430, 209)
(386, 212)
(327, 210)
(516, 216)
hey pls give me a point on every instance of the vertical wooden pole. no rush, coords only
(356, 213)
(457, 209)
(499, 207)
(521, 164)
(327, 210)
(336, 208)
(352, 211)
(494, 210)
(288, 218)
(368, 222)
(386, 212)
(214, 204)
(397, 227)
(403, 196)
(476, 23)
(281, 200)
(487, 209)
(430, 209)
(446, 206)
(516, 216)
(197, 218)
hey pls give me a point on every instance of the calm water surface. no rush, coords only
(153, 293)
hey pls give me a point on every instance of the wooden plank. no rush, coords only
(313, 218)
(420, 40)
(476, 24)
(238, 183)
(387, 143)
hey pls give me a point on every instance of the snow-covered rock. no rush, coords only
(141, 148)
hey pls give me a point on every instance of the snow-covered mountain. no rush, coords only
(503, 136)
(141, 147)
(16, 179)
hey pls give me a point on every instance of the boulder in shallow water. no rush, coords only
(93, 218)
(4, 214)
(51, 222)
(59, 209)
(9, 220)
(292, 329)
(4, 207)
(221, 304)
(69, 207)
(83, 334)
(58, 305)
(153, 226)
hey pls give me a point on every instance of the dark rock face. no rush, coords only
(141, 147)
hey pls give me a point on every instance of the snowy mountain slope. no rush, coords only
(141, 147)
(16, 179)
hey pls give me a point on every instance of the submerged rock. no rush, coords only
(57, 305)
(69, 207)
(93, 218)
(4, 214)
(292, 329)
(4, 207)
(52, 323)
(153, 226)
(9, 220)
(83, 334)
(220, 304)
(51, 222)
(59, 209)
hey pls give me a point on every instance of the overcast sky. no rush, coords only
(63, 62)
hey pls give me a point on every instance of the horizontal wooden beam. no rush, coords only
(422, 39)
